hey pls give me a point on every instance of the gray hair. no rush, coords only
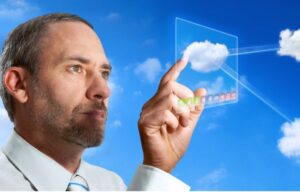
(22, 49)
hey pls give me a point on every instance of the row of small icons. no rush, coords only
(209, 99)
(222, 97)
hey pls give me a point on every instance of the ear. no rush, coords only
(15, 82)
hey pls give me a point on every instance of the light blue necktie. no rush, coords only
(78, 183)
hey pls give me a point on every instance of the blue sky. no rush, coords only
(234, 147)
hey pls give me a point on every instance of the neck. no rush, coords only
(65, 153)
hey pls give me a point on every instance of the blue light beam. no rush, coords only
(253, 50)
(229, 71)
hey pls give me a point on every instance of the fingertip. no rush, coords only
(185, 57)
(201, 92)
(182, 62)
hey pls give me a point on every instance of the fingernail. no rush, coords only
(185, 57)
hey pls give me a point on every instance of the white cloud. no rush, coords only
(149, 42)
(116, 124)
(290, 44)
(212, 126)
(137, 93)
(113, 16)
(114, 87)
(211, 180)
(212, 87)
(206, 56)
(289, 144)
(150, 69)
(16, 8)
(115, 91)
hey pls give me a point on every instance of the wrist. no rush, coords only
(157, 165)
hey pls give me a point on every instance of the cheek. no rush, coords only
(69, 94)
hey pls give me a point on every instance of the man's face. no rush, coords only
(69, 96)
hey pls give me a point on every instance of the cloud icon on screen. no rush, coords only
(205, 56)
(290, 44)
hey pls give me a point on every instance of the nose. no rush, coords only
(98, 89)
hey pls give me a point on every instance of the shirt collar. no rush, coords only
(44, 173)
(82, 172)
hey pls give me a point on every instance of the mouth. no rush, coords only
(97, 114)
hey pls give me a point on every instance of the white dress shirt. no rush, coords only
(25, 168)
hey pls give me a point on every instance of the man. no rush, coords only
(54, 76)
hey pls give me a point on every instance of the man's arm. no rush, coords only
(166, 127)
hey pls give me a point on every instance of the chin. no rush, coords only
(87, 134)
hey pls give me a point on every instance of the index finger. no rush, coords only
(173, 73)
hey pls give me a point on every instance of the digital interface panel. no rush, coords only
(213, 61)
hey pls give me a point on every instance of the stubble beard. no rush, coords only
(90, 135)
(53, 118)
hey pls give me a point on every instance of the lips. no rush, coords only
(99, 114)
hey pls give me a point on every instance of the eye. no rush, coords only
(76, 69)
(105, 74)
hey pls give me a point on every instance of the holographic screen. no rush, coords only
(209, 51)
(213, 64)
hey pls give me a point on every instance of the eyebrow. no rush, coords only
(85, 60)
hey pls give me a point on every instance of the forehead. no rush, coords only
(68, 38)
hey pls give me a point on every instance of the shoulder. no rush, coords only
(10, 177)
(104, 177)
(8, 170)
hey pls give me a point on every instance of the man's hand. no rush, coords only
(166, 127)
